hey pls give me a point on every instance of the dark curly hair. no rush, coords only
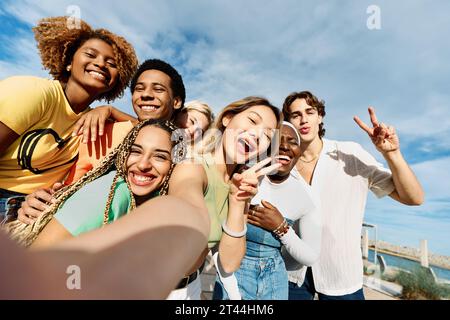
(176, 82)
(57, 43)
(311, 100)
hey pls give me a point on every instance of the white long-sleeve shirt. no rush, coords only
(296, 201)
(344, 174)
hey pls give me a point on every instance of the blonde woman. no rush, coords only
(196, 117)
(218, 189)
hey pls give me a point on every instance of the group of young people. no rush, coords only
(279, 206)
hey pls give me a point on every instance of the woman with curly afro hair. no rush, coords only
(37, 115)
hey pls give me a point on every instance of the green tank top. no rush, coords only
(216, 199)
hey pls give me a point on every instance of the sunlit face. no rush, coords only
(289, 150)
(306, 119)
(153, 97)
(248, 134)
(149, 161)
(194, 122)
(94, 67)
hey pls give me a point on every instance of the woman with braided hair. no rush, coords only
(37, 115)
(137, 170)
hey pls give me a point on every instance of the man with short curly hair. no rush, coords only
(157, 93)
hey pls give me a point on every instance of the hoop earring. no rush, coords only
(179, 151)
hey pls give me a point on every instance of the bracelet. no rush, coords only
(232, 233)
(282, 233)
(282, 229)
(281, 225)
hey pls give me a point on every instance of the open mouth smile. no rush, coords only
(149, 108)
(99, 75)
(142, 180)
(284, 159)
(246, 146)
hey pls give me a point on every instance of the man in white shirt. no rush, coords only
(342, 173)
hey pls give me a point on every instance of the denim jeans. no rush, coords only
(10, 203)
(307, 291)
(258, 279)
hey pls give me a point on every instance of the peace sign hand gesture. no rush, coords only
(244, 186)
(383, 137)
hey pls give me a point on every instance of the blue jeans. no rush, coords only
(258, 279)
(307, 291)
(10, 203)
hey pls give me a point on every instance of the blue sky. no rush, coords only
(226, 50)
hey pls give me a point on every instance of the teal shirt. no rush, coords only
(83, 211)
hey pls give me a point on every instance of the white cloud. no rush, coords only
(435, 177)
(227, 50)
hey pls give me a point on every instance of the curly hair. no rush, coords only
(25, 234)
(57, 44)
(311, 100)
(176, 82)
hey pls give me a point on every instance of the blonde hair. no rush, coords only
(201, 107)
(26, 234)
(210, 140)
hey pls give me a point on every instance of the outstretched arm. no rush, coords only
(187, 182)
(146, 240)
(407, 188)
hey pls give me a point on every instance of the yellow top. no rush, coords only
(38, 111)
(216, 198)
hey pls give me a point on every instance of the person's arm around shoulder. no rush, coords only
(92, 124)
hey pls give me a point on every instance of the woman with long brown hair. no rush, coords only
(219, 188)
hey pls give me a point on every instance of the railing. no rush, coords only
(373, 226)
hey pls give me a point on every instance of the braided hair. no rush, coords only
(26, 234)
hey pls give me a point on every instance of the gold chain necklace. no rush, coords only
(313, 158)
(309, 161)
